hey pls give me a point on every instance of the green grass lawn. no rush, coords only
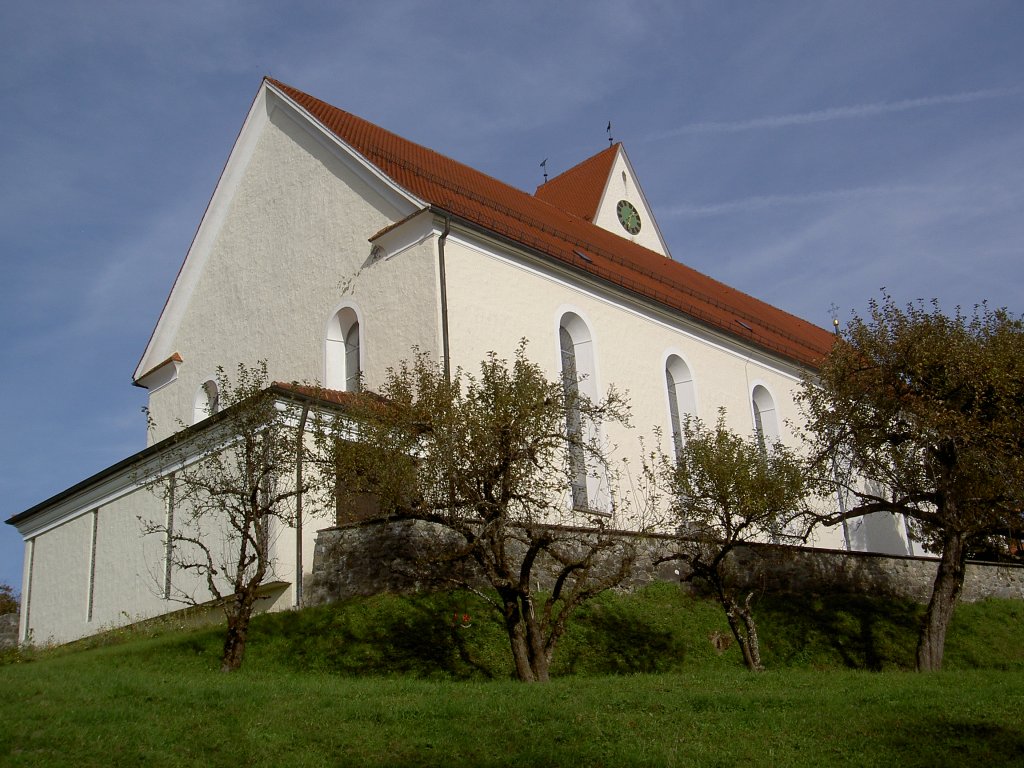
(390, 682)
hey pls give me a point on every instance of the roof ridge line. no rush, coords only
(447, 158)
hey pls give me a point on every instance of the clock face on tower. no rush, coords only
(629, 218)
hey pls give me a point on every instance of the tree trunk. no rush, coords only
(238, 631)
(520, 653)
(752, 653)
(744, 630)
(540, 659)
(517, 639)
(949, 581)
(531, 662)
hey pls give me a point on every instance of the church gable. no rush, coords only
(289, 224)
(603, 189)
(274, 125)
(624, 210)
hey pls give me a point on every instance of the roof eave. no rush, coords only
(587, 274)
(280, 390)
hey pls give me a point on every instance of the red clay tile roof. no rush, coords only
(538, 225)
(320, 395)
(335, 396)
(579, 189)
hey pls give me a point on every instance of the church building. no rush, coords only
(331, 248)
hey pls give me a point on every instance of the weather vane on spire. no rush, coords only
(833, 311)
(544, 165)
(609, 131)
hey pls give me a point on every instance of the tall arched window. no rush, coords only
(207, 401)
(766, 423)
(577, 380)
(343, 356)
(353, 371)
(681, 397)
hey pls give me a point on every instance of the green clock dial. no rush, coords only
(629, 218)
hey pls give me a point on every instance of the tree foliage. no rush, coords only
(725, 491)
(235, 487)
(487, 460)
(8, 599)
(923, 415)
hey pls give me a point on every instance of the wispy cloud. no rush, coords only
(761, 202)
(854, 111)
(955, 234)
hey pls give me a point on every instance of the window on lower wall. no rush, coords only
(766, 423)
(577, 356)
(207, 401)
(573, 421)
(681, 398)
(343, 364)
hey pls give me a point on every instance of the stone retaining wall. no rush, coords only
(384, 556)
(806, 570)
(8, 630)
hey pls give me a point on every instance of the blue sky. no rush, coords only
(808, 153)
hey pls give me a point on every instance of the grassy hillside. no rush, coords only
(659, 629)
(391, 681)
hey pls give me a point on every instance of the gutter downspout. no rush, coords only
(299, 454)
(444, 298)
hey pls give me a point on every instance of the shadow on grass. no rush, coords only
(947, 742)
(657, 629)
(439, 635)
(850, 631)
(454, 635)
(620, 636)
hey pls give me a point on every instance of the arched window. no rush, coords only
(353, 371)
(681, 397)
(343, 357)
(766, 423)
(577, 380)
(207, 401)
(574, 420)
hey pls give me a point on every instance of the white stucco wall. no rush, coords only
(126, 567)
(129, 566)
(127, 573)
(291, 247)
(316, 515)
(494, 300)
(59, 582)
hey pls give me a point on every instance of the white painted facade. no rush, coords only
(302, 230)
